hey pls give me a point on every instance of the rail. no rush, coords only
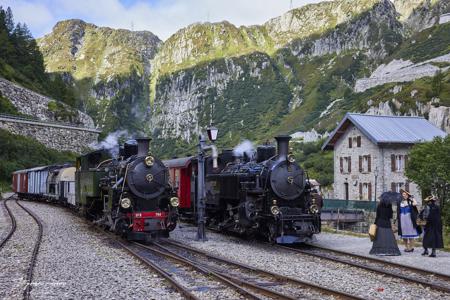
(36, 121)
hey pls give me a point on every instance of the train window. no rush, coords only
(177, 178)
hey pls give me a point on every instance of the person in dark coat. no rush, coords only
(384, 243)
(432, 237)
(407, 213)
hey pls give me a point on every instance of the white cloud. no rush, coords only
(162, 17)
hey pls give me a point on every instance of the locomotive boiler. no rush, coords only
(129, 194)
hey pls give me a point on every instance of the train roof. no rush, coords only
(66, 174)
(182, 162)
(40, 168)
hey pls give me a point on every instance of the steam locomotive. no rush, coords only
(128, 194)
(266, 195)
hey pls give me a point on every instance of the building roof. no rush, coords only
(387, 129)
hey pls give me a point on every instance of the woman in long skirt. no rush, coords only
(384, 243)
(432, 238)
(407, 213)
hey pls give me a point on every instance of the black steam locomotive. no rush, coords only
(129, 194)
(265, 195)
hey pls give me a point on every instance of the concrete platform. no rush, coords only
(362, 246)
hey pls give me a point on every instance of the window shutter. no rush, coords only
(341, 160)
(406, 160)
(349, 142)
(393, 189)
(360, 191)
(369, 191)
(407, 185)
(358, 141)
(349, 164)
(393, 162)
(369, 163)
(360, 164)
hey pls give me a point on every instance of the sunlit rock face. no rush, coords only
(298, 72)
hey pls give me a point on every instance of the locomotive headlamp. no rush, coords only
(125, 203)
(275, 210)
(291, 158)
(314, 209)
(149, 160)
(174, 201)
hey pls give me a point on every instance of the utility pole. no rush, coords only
(291, 6)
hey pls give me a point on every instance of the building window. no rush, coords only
(398, 162)
(354, 141)
(397, 186)
(365, 163)
(365, 190)
(345, 164)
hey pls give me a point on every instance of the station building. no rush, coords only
(371, 151)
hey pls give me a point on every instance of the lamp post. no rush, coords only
(376, 177)
(201, 191)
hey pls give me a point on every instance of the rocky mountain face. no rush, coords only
(299, 72)
(109, 69)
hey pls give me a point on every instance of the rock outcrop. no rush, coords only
(41, 107)
(109, 69)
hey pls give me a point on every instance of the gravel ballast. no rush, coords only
(15, 256)
(329, 274)
(77, 262)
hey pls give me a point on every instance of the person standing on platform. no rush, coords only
(407, 213)
(432, 237)
(384, 242)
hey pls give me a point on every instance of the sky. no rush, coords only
(162, 17)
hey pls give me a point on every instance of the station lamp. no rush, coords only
(212, 133)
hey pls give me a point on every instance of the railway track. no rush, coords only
(189, 278)
(262, 284)
(17, 223)
(13, 222)
(433, 280)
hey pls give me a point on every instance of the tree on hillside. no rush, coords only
(21, 60)
(429, 166)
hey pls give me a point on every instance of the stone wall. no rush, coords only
(36, 105)
(55, 136)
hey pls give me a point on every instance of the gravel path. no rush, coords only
(76, 262)
(16, 254)
(362, 246)
(333, 275)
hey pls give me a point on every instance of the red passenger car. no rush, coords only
(182, 172)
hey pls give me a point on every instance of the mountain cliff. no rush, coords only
(299, 72)
(109, 69)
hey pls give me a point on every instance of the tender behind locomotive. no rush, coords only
(130, 194)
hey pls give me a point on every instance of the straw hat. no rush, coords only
(404, 191)
(430, 198)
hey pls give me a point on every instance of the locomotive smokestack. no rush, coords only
(143, 146)
(283, 146)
